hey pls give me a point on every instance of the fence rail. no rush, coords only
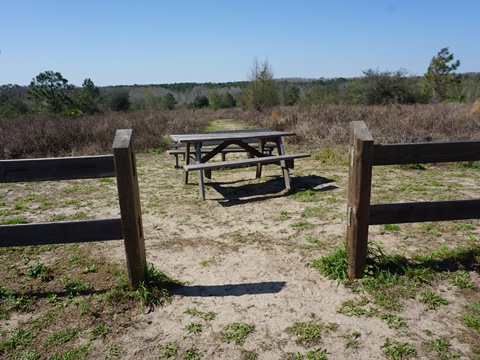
(363, 156)
(128, 227)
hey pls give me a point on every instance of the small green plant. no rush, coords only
(15, 221)
(194, 328)
(462, 280)
(80, 216)
(72, 354)
(75, 287)
(314, 211)
(89, 269)
(472, 319)
(309, 332)
(352, 340)
(315, 354)
(206, 263)
(284, 215)
(19, 338)
(58, 217)
(303, 224)
(113, 351)
(27, 355)
(154, 290)
(39, 270)
(192, 353)
(391, 227)
(334, 265)
(305, 196)
(170, 349)
(237, 332)
(431, 300)
(62, 336)
(393, 321)
(440, 346)
(100, 331)
(398, 350)
(354, 308)
(207, 316)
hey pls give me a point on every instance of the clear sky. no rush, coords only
(118, 42)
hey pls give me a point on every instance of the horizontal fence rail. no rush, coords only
(61, 232)
(363, 156)
(128, 227)
(423, 153)
(82, 167)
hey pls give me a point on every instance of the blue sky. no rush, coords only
(116, 42)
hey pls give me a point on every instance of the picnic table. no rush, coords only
(199, 160)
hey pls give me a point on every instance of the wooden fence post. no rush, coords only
(129, 198)
(359, 189)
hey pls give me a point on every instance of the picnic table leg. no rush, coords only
(200, 172)
(286, 173)
(261, 144)
(187, 160)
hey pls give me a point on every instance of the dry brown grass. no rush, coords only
(328, 125)
(316, 127)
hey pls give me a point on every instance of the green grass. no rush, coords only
(309, 333)
(14, 221)
(194, 328)
(431, 300)
(334, 265)
(62, 336)
(305, 196)
(237, 332)
(154, 290)
(472, 318)
(397, 350)
(207, 316)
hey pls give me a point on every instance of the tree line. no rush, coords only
(50, 92)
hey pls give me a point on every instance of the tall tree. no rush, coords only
(168, 102)
(88, 97)
(50, 90)
(262, 91)
(292, 95)
(440, 76)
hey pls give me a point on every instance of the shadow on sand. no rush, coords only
(233, 193)
(271, 287)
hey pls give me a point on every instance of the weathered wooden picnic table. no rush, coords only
(200, 160)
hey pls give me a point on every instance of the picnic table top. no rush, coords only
(229, 135)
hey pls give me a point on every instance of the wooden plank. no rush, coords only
(60, 232)
(360, 179)
(240, 135)
(129, 198)
(217, 142)
(424, 211)
(232, 163)
(80, 167)
(423, 153)
(286, 173)
(230, 149)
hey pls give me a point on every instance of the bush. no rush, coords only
(118, 100)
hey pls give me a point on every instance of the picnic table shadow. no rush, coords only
(234, 193)
(269, 287)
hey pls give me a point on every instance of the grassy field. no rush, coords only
(420, 296)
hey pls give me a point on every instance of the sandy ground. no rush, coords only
(243, 254)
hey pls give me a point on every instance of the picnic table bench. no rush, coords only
(241, 139)
(178, 149)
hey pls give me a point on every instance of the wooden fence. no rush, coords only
(128, 227)
(360, 213)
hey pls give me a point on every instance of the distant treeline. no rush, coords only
(49, 92)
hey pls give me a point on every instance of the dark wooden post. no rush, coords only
(359, 189)
(129, 198)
